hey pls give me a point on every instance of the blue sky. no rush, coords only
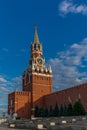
(62, 30)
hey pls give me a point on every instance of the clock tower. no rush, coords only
(36, 83)
(37, 78)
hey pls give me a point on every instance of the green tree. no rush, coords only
(36, 112)
(51, 111)
(41, 112)
(78, 108)
(61, 111)
(70, 109)
(56, 110)
(65, 110)
(46, 112)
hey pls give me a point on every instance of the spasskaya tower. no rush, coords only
(37, 87)
(37, 78)
(36, 83)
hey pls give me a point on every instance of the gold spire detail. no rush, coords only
(36, 39)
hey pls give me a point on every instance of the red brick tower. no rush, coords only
(36, 82)
(37, 78)
(37, 87)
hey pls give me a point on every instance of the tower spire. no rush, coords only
(36, 39)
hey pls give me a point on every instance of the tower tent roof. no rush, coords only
(36, 38)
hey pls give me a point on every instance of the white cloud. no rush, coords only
(4, 89)
(2, 79)
(5, 49)
(22, 50)
(17, 83)
(67, 6)
(7, 86)
(70, 66)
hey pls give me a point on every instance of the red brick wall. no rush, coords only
(22, 100)
(63, 97)
(21, 104)
(41, 85)
(26, 83)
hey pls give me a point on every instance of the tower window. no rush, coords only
(35, 46)
(39, 46)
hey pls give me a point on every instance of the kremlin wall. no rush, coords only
(67, 95)
(37, 87)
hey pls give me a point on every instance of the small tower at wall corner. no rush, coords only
(37, 78)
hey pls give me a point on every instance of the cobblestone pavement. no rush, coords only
(5, 128)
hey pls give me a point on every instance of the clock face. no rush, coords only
(39, 61)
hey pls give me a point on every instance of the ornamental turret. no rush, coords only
(37, 62)
(37, 78)
(36, 47)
